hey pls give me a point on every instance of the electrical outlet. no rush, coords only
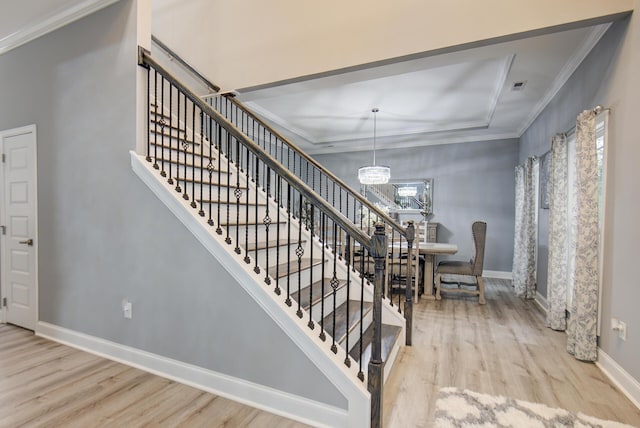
(127, 309)
(620, 327)
(622, 330)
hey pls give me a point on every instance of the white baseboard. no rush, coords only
(542, 301)
(249, 393)
(620, 377)
(498, 274)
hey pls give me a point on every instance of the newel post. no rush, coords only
(376, 365)
(408, 303)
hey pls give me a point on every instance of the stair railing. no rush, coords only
(211, 162)
(352, 204)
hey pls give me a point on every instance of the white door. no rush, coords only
(19, 238)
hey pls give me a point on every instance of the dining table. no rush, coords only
(429, 250)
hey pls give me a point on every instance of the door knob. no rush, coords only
(28, 242)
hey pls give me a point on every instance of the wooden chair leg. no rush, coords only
(481, 290)
(438, 297)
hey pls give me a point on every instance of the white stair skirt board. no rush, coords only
(498, 274)
(261, 397)
(620, 377)
(342, 377)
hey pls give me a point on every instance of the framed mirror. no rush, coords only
(402, 196)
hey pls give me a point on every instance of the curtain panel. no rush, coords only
(558, 235)
(526, 230)
(582, 328)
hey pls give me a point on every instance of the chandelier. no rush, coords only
(374, 174)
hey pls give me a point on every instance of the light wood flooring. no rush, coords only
(45, 384)
(502, 348)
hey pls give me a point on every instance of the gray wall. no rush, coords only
(472, 181)
(103, 236)
(608, 76)
(579, 93)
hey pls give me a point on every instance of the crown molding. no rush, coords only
(51, 23)
(452, 139)
(571, 65)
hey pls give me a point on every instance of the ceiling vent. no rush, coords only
(518, 86)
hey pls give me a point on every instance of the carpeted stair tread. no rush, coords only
(284, 269)
(190, 151)
(341, 318)
(390, 334)
(315, 290)
(272, 243)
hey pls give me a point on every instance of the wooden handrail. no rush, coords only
(364, 201)
(145, 59)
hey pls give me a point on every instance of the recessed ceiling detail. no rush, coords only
(410, 103)
(455, 97)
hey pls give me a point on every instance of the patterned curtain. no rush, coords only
(558, 235)
(582, 333)
(526, 230)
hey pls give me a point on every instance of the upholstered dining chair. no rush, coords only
(472, 268)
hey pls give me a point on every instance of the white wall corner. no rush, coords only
(620, 377)
(542, 301)
(2, 320)
(498, 274)
(246, 392)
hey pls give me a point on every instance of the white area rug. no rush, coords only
(458, 408)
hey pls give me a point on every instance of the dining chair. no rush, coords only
(472, 268)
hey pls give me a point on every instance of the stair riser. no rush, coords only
(179, 171)
(261, 230)
(192, 159)
(175, 147)
(273, 254)
(304, 277)
(341, 297)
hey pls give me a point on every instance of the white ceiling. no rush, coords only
(24, 20)
(456, 97)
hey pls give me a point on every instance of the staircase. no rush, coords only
(282, 220)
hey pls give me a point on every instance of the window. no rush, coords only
(601, 128)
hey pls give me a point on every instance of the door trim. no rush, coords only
(11, 133)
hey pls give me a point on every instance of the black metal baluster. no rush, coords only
(267, 223)
(238, 194)
(201, 212)
(210, 168)
(279, 204)
(247, 259)
(163, 123)
(347, 258)
(193, 156)
(360, 372)
(185, 145)
(256, 268)
(149, 115)
(155, 119)
(227, 239)
(310, 324)
(178, 188)
(300, 253)
(170, 180)
(334, 285)
(390, 273)
(288, 300)
(220, 153)
(323, 240)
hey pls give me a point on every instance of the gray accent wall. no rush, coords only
(608, 76)
(103, 236)
(472, 181)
